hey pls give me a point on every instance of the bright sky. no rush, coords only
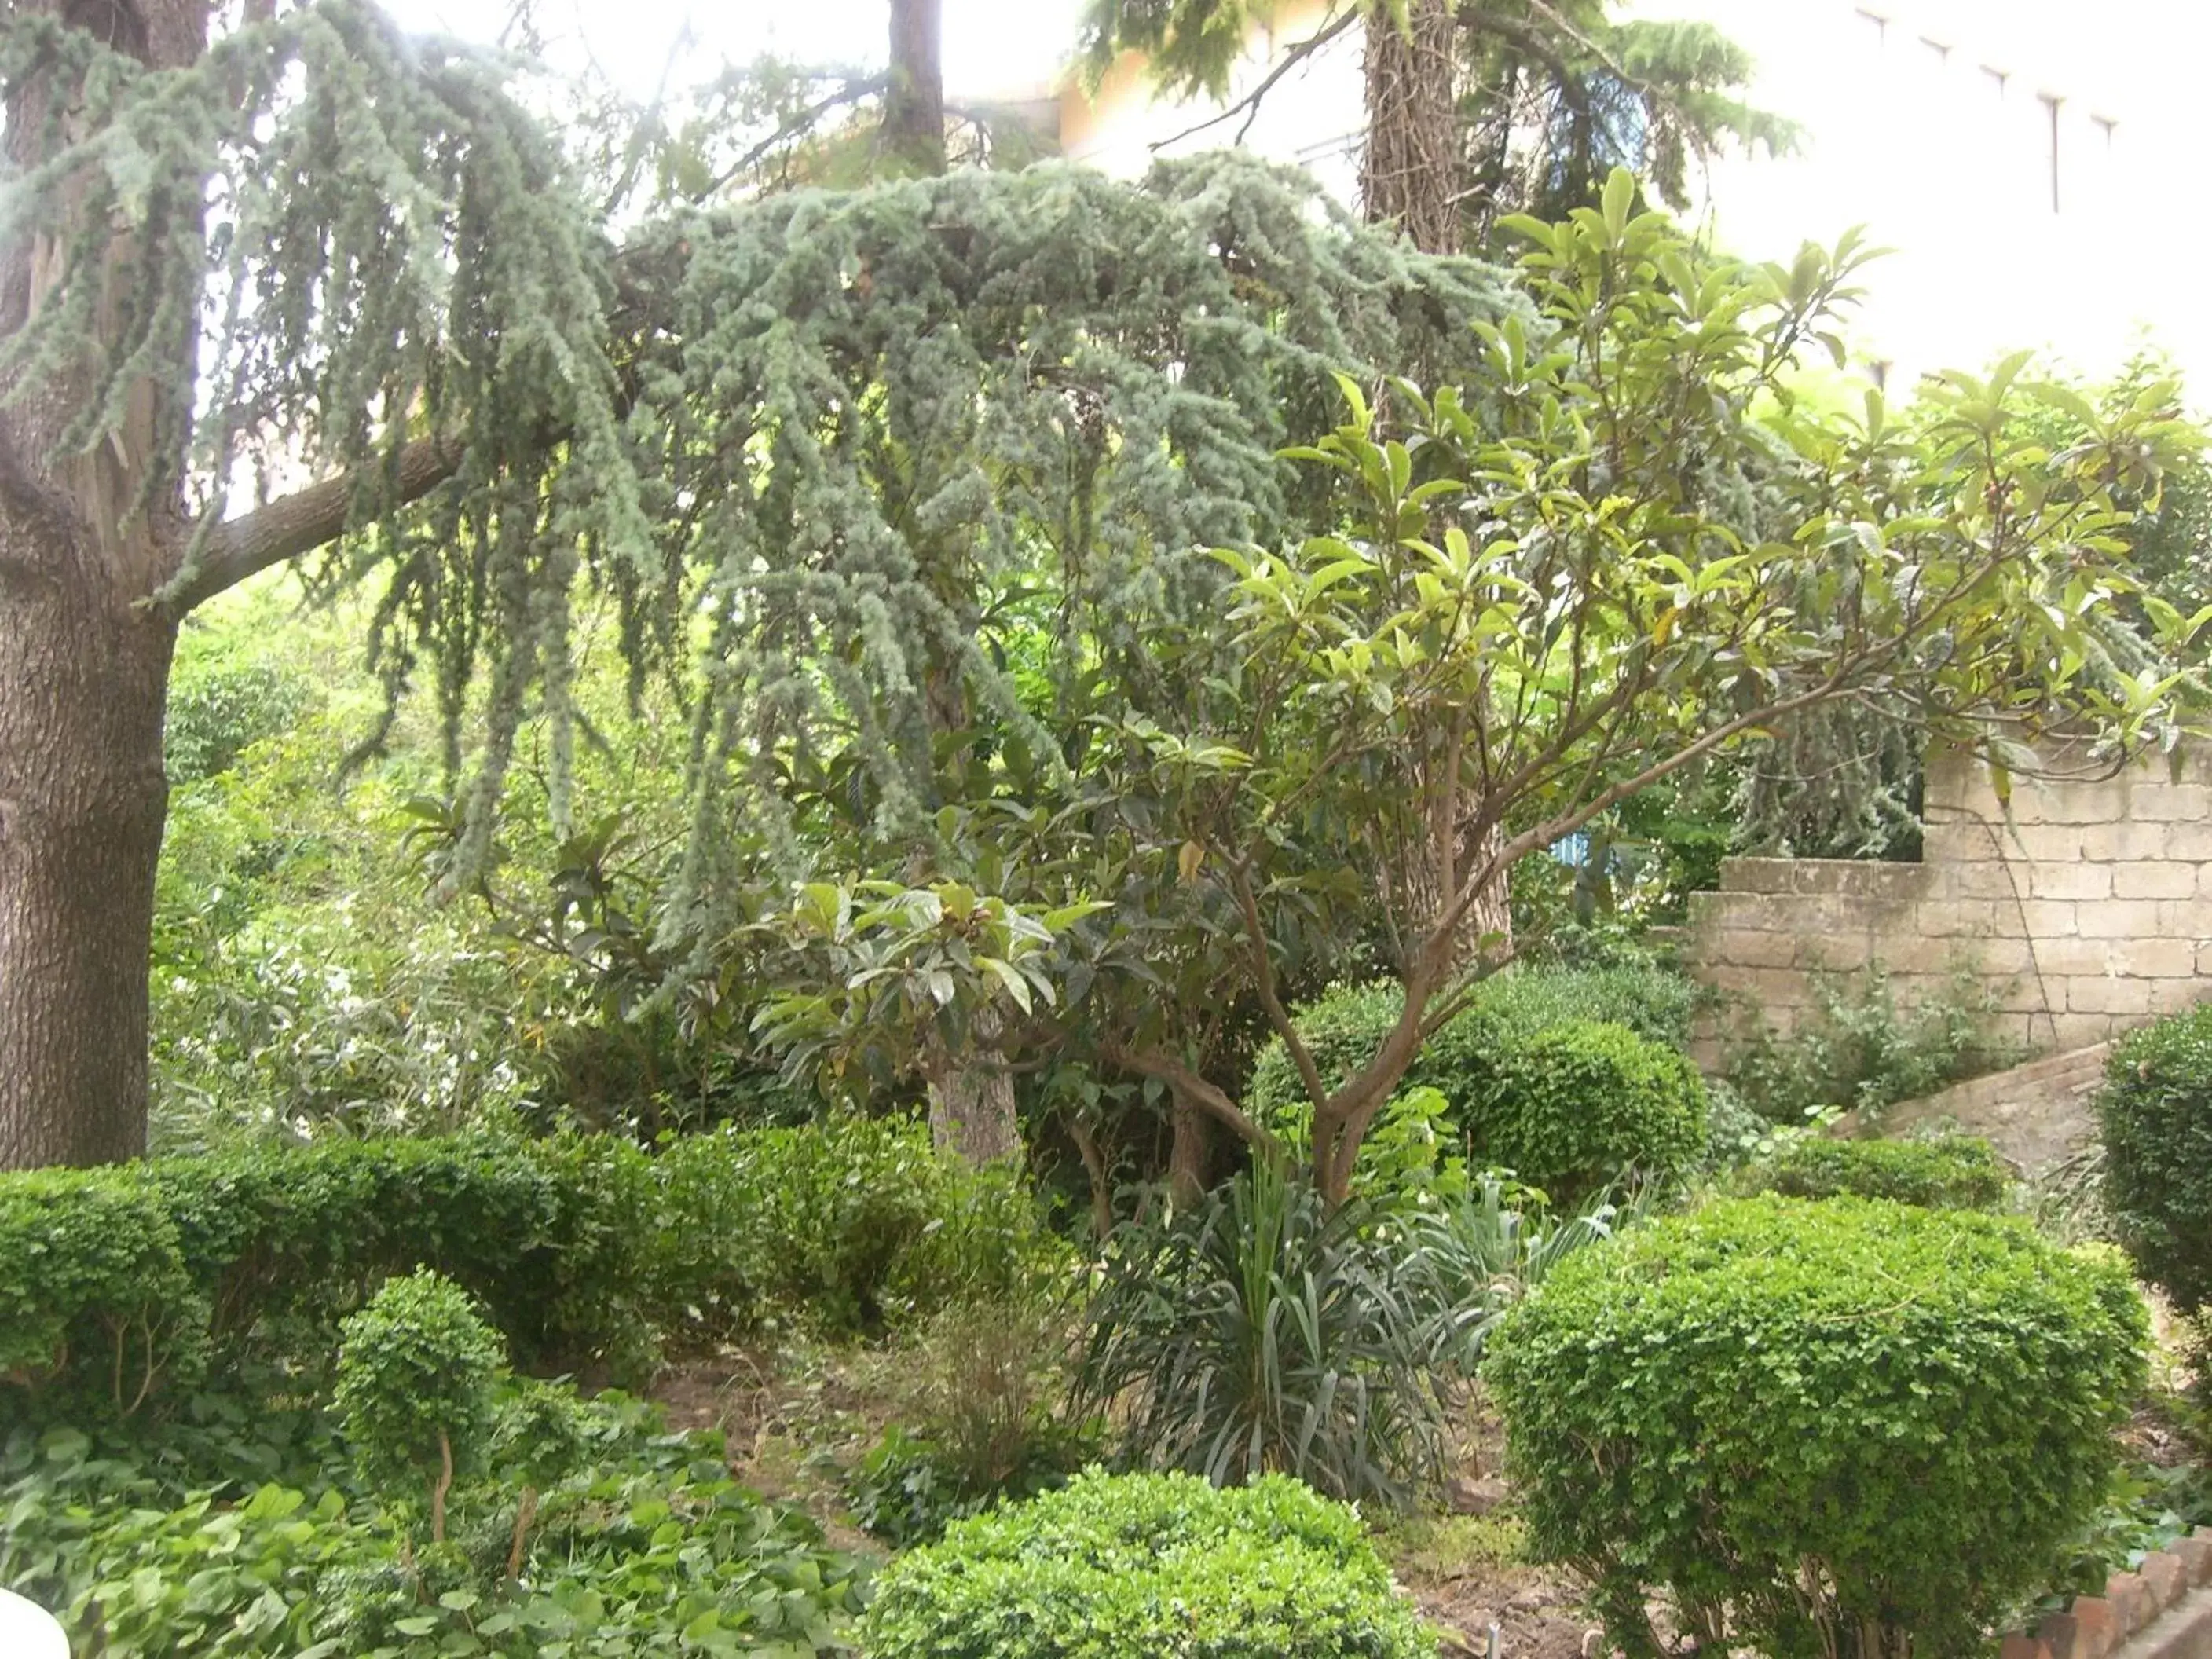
(990, 45)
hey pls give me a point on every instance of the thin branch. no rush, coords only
(1248, 105)
(1256, 936)
(300, 523)
(794, 126)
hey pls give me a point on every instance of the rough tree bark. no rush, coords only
(913, 104)
(1409, 173)
(84, 665)
(972, 1113)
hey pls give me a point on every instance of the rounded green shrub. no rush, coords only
(1945, 1172)
(418, 1381)
(1812, 1424)
(1579, 1106)
(1161, 1564)
(2155, 1110)
(97, 1311)
(1343, 1028)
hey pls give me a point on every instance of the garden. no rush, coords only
(927, 906)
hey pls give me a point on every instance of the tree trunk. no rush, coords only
(1410, 175)
(972, 1113)
(84, 669)
(1189, 1155)
(1410, 170)
(82, 681)
(913, 105)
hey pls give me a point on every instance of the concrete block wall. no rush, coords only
(2084, 908)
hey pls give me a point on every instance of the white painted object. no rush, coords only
(28, 1631)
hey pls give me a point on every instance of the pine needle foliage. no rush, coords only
(815, 447)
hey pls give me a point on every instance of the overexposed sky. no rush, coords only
(990, 45)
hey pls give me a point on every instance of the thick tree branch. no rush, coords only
(300, 523)
(1190, 1088)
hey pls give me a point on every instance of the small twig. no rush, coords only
(444, 1485)
(523, 1516)
(1248, 105)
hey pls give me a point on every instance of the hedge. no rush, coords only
(2155, 1110)
(118, 1286)
(1943, 1172)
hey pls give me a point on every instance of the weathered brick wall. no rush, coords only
(2086, 909)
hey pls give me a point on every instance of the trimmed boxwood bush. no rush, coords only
(1944, 1172)
(1577, 1106)
(96, 1310)
(418, 1384)
(1812, 1423)
(2155, 1110)
(1157, 1564)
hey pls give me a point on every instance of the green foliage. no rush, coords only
(1344, 1026)
(1532, 1082)
(1261, 1332)
(908, 1489)
(1162, 1565)
(978, 1393)
(1580, 1106)
(1942, 1172)
(1716, 1403)
(1856, 1049)
(2155, 1112)
(846, 1225)
(217, 713)
(577, 1247)
(96, 1309)
(254, 1538)
(1264, 1332)
(416, 1381)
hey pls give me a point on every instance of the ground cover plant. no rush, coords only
(245, 1530)
(1153, 1564)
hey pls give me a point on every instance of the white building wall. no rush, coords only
(1928, 122)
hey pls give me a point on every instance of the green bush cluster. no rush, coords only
(1816, 1427)
(117, 1285)
(1943, 1172)
(1159, 1565)
(418, 1382)
(1578, 1106)
(1858, 1050)
(2155, 1110)
(1343, 1027)
(1598, 1107)
(1531, 1082)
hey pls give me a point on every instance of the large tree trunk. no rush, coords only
(82, 796)
(913, 105)
(1410, 170)
(84, 665)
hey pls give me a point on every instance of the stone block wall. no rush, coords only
(2086, 908)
